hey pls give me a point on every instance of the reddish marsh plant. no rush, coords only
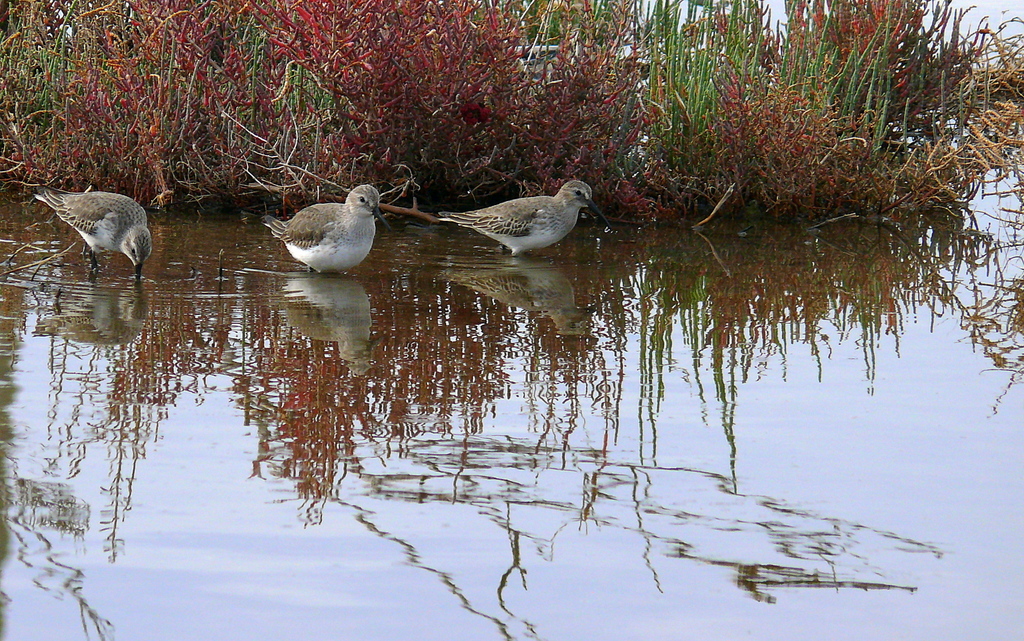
(440, 88)
(172, 98)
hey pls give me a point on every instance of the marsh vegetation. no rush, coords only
(847, 107)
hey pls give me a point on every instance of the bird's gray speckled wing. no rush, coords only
(86, 210)
(510, 218)
(309, 227)
(277, 226)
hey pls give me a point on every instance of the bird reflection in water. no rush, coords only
(533, 285)
(97, 316)
(334, 309)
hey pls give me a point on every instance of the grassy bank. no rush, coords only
(851, 106)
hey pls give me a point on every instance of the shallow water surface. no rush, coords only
(634, 434)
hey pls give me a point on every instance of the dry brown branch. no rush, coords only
(414, 212)
(832, 220)
(721, 201)
(18, 251)
(38, 262)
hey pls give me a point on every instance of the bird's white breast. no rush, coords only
(331, 256)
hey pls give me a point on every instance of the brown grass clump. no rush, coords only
(857, 107)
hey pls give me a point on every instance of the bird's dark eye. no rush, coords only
(362, 200)
(579, 193)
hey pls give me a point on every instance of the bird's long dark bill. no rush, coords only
(380, 217)
(138, 272)
(592, 207)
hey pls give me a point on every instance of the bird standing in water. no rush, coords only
(530, 223)
(331, 237)
(105, 221)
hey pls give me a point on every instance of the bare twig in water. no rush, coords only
(16, 252)
(39, 262)
(832, 220)
(714, 253)
(414, 212)
(721, 201)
